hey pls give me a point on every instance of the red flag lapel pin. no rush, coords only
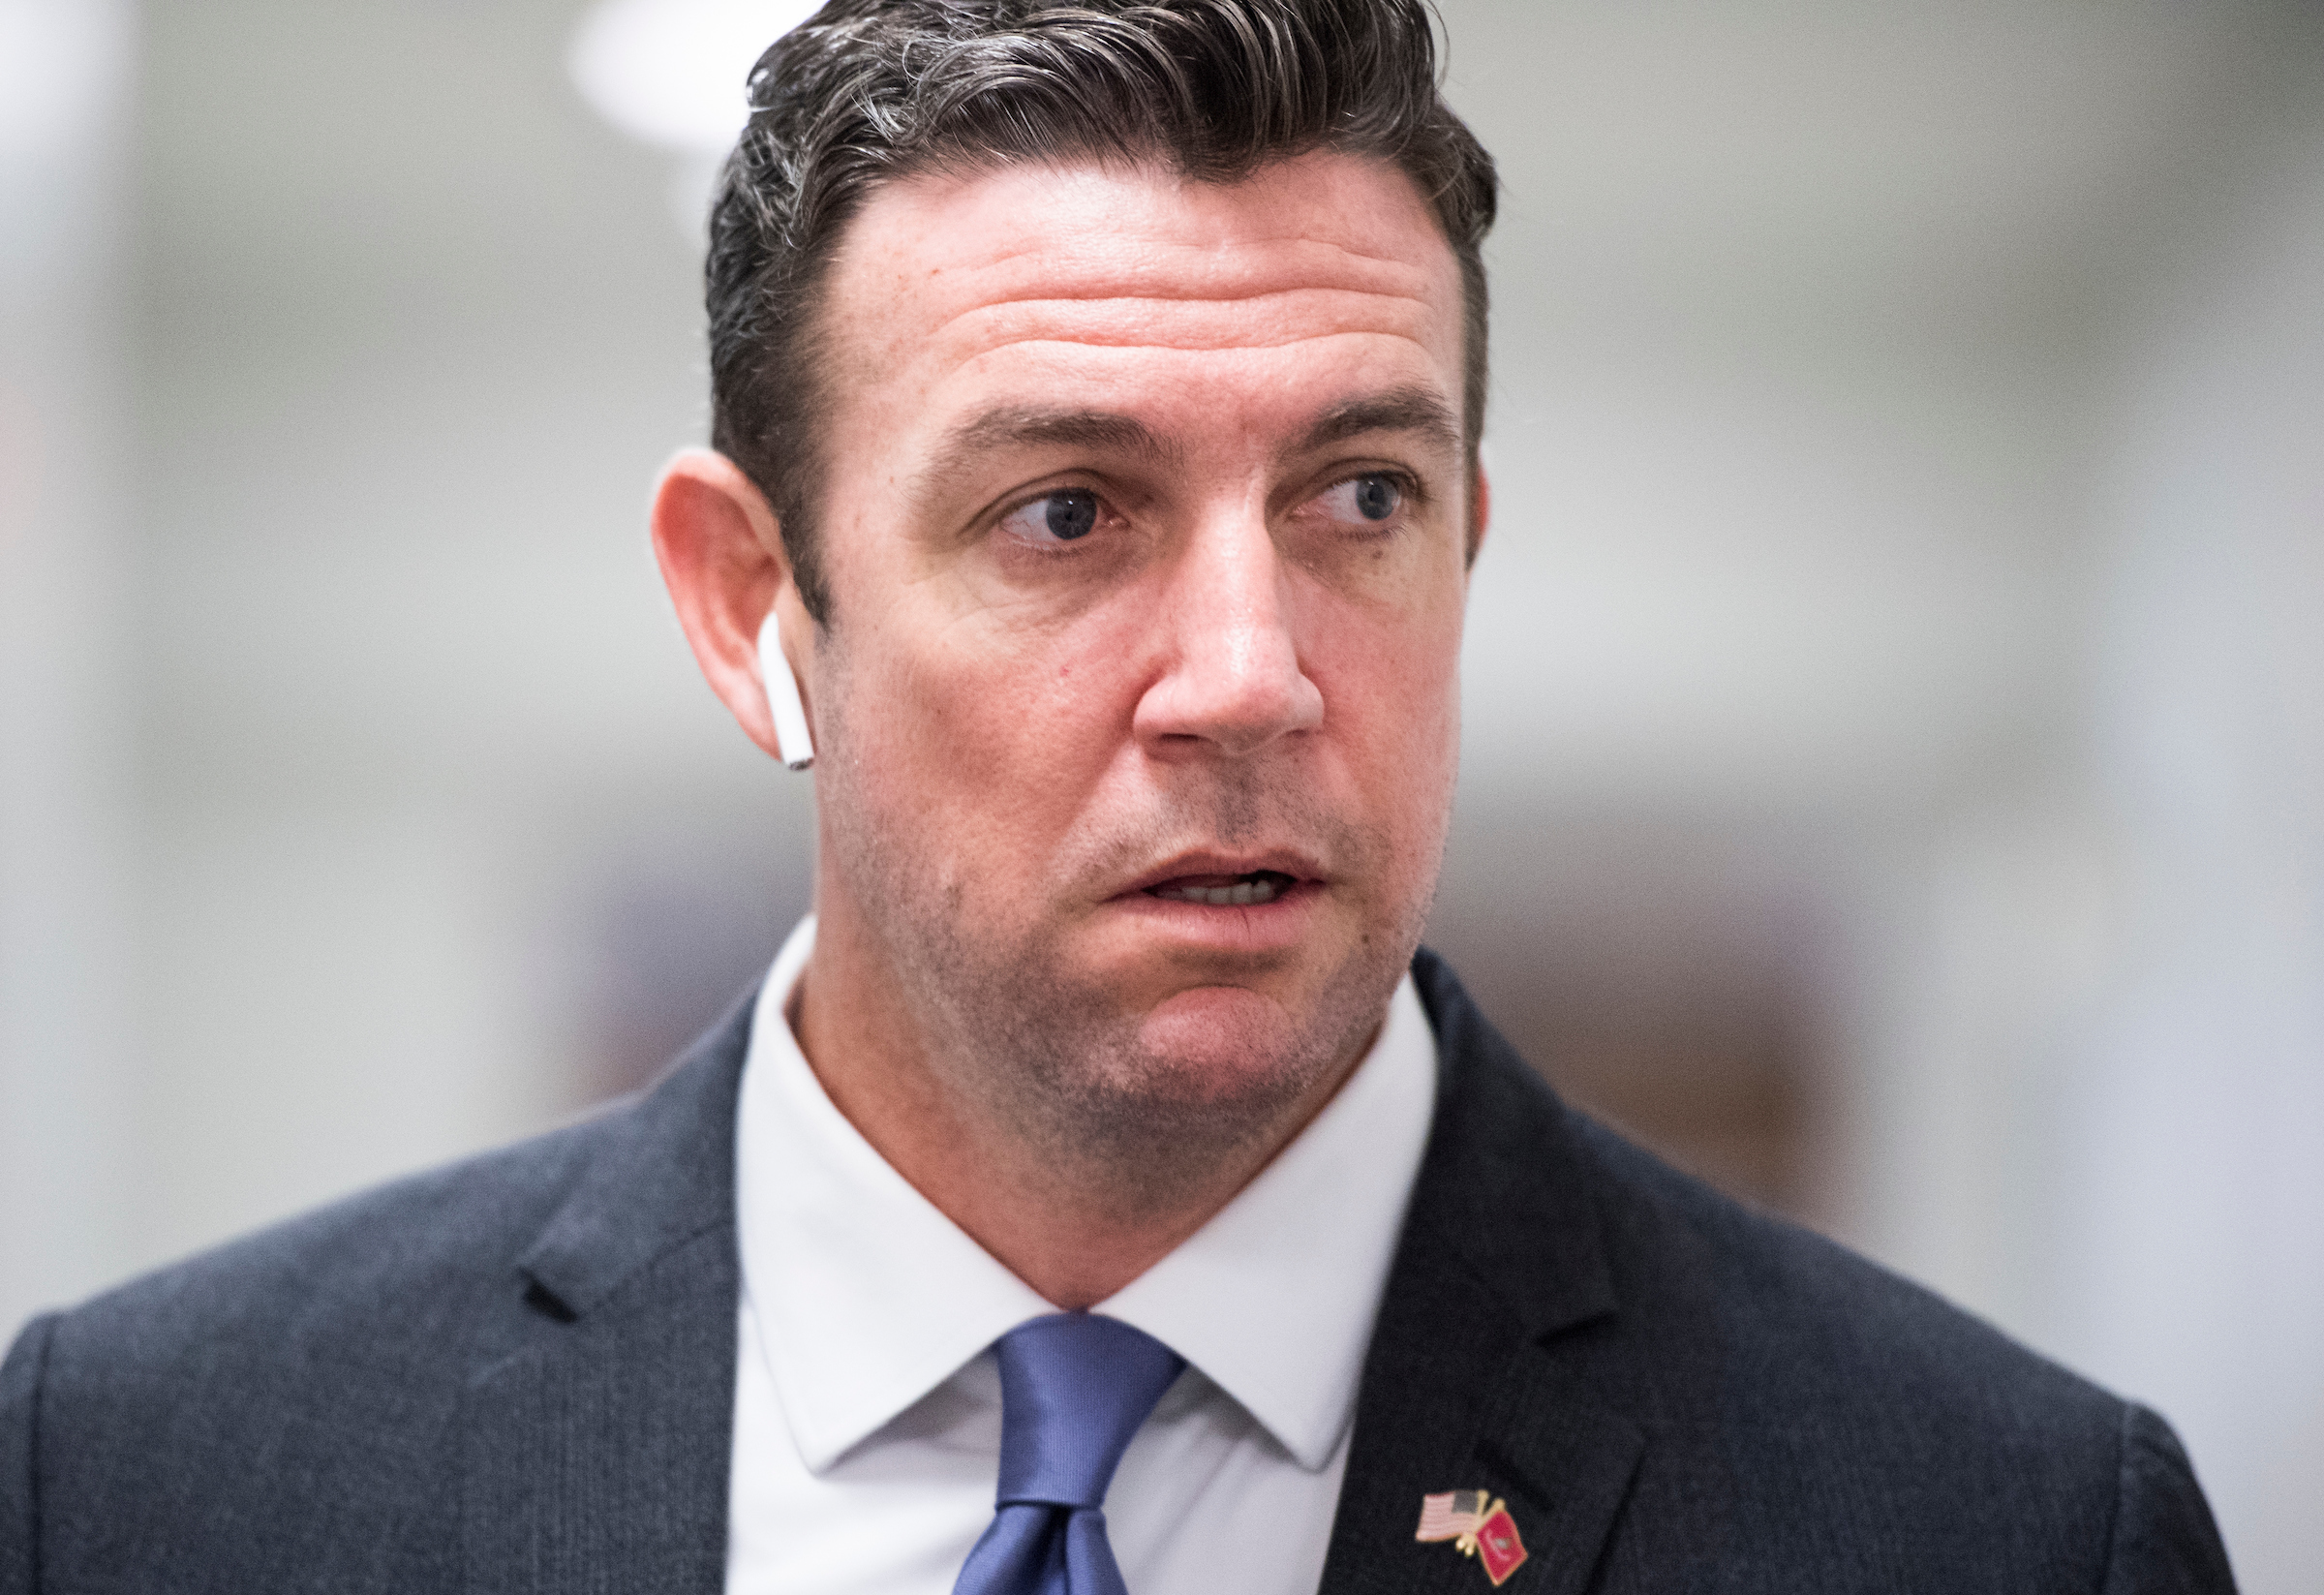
(1498, 1545)
(1479, 1525)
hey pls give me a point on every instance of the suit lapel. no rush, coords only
(597, 1429)
(1502, 1255)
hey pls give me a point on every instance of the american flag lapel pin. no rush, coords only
(1479, 1525)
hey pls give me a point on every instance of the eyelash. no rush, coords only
(1409, 492)
(1411, 497)
(1106, 512)
(1407, 485)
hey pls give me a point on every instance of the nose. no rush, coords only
(1233, 681)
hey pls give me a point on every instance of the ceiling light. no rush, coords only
(670, 73)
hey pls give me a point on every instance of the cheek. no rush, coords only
(988, 744)
(1390, 679)
(1392, 695)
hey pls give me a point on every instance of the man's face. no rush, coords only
(1146, 535)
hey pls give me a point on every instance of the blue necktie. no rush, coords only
(1073, 1390)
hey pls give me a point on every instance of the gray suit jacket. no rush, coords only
(517, 1375)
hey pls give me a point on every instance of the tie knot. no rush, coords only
(1073, 1390)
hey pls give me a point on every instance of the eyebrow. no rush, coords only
(1045, 428)
(1408, 410)
(1413, 410)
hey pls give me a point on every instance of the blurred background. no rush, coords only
(1895, 772)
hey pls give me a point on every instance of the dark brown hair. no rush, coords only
(867, 91)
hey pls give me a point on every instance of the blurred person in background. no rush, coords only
(1103, 1190)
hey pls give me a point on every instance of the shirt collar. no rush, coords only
(867, 1296)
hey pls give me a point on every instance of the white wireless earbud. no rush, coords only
(783, 702)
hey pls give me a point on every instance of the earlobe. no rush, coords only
(1481, 507)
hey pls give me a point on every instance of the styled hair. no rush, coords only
(868, 91)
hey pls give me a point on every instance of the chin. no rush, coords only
(1216, 1044)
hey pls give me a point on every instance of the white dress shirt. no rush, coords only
(867, 1405)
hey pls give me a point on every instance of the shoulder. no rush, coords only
(395, 1264)
(1814, 1394)
(1711, 1289)
(198, 1427)
(397, 1260)
(1692, 1275)
(1786, 1392)
(294, 1398)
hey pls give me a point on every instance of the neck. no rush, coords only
(1059, 1223)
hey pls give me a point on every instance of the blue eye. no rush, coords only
(1367, 498)
(1066, 515)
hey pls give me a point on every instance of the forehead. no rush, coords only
(1324, 269)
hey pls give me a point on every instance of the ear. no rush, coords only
(1481, 507)
(721, 553)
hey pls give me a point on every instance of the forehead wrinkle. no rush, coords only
(1209, 271)
(1194, 296)
(1138, 333)
(1035, 344)
(1153, 291)
(1142, 244)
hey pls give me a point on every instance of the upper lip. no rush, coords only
(1282, 861)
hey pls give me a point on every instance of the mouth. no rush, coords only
(1218, 879)
(1224, 890)
(1210, 904)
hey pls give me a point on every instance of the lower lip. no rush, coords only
(1247, 927)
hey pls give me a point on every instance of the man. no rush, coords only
(1100, 1192)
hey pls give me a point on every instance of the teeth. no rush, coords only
(1243, 894)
